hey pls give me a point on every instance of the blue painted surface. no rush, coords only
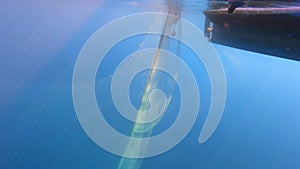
(39, 44)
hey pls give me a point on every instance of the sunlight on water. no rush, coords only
(139, 130)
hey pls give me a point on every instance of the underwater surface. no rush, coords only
(40, 44)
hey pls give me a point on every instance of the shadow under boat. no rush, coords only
(258, 27)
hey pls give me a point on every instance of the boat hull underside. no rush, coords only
(269, 33)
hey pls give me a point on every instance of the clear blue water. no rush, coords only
(40, 42)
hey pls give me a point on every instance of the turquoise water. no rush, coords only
(40, 42)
